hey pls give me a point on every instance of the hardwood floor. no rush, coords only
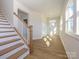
(47, 49)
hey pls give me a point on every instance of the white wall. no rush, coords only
(70, 41)
(44, 25)
(57, 24)
(39, 21)
(0, 4)
(34, 19)
(7, 7)
(71, 45)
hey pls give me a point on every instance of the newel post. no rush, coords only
(30, 38)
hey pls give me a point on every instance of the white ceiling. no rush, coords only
(49, 7)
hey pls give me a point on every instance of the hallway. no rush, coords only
(23, 21)
(52, 50)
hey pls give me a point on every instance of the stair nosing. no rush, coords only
(2, 52)
(4, 24)
(17, 54)
(5, 27)
(6, 31)
(9, 41)
(3, 21)
(8, 35)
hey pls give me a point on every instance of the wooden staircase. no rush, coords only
(11, 44)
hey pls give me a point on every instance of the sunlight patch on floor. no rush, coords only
(47, 40)
(47, 43)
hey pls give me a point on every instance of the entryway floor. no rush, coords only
(48, 49)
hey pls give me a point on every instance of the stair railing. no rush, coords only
(23, 30)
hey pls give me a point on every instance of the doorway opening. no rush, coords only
(53, 27)
(23, 16)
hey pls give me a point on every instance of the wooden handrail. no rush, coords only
(30, 32)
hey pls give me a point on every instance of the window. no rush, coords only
(61, 23)
(69, 16)
(77, 16)
(53, 27)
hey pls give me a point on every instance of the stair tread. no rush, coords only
(8, 33)
(2, 15)
(7, 55)
(2, 52)
(17, 54)
(3, 18)
(7, 29)
(24, 55)
(9, 45)
(4, 22)
(9, 38)
(5, 26)
(2, 30)
(8, 41)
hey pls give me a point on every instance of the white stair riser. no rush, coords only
(12, 52)
(7, 34)
(5, 26)
(7, 29)
(4, 22)
(24, 55)
(3, 19)
(9, 38)
(9, 45)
